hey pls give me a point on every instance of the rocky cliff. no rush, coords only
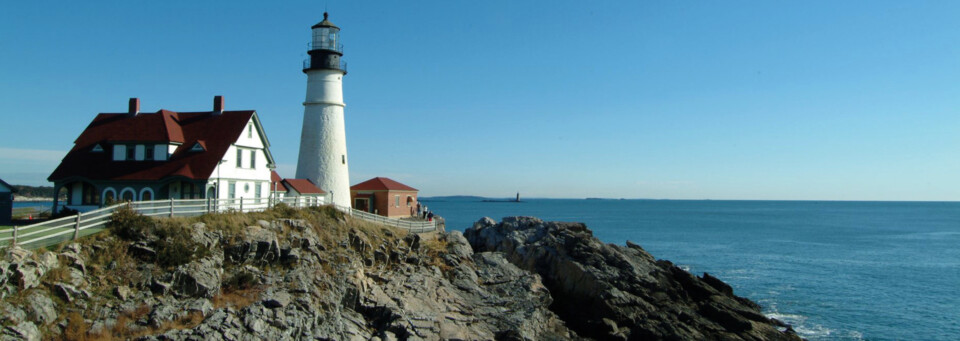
(316, 274)
(611, 292)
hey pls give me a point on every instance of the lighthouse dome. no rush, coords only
(325, 23)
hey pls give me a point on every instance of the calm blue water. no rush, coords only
(835, 270)
(39, 205)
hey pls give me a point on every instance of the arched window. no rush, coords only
(109, 196)
(146, 194)
(127, 194)
(409, 200)
(90, 195)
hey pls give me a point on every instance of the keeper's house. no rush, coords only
(151, 156)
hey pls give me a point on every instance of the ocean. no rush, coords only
(834, 270)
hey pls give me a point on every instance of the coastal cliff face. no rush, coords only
(316, 274)
(611, 292)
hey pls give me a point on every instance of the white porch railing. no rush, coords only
(58, 230)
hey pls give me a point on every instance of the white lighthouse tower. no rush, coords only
(323, 141)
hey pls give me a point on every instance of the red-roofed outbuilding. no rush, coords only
(304, 190)
(385, 197)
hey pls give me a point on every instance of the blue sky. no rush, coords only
(814, 100)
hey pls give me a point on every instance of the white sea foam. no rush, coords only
(813, 331)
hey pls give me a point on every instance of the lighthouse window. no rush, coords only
(343, 159)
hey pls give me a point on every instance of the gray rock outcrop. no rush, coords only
(612, 292)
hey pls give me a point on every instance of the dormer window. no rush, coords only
(119, 152)
(160, 152)
(97, 148)
(197, 147)
(148, 154)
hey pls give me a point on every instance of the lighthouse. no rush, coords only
(323, 140)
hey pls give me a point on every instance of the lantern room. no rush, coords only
(326, 36)
(325, 49)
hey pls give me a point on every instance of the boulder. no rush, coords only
(201, 236)
(159, 286)
(69, 292)
(200, 305)
(290, 256)
(11, 314)
(22, 331)
(257, 244)
(71, 257)
(48, 260)
(142, 251)
(17, 254)
(413, 241)
(199, 278)
(122, 292)
(458, 245)
(26, 274)
(40, 308)
(275, 300)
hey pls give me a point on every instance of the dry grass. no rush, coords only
(98, 263)
(435, 248)
(238, 299)
(52, 276)
(78, 329)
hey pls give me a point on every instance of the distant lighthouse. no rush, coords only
(323, 140)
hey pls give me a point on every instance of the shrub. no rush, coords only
(240, 281)
(65, 212)
(128, 224)
(175, 245)
(172, 252)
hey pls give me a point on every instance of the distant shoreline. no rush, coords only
(31, 199)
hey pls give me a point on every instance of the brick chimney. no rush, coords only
(134, 107)
(217, 105)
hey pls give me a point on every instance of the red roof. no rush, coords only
(381, 184)
(303, 186)
(214, 132)
(276, 182)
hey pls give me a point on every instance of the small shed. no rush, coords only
(305, 191)
(6, 202)
(385, 197)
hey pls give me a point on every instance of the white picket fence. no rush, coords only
(55, 231)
